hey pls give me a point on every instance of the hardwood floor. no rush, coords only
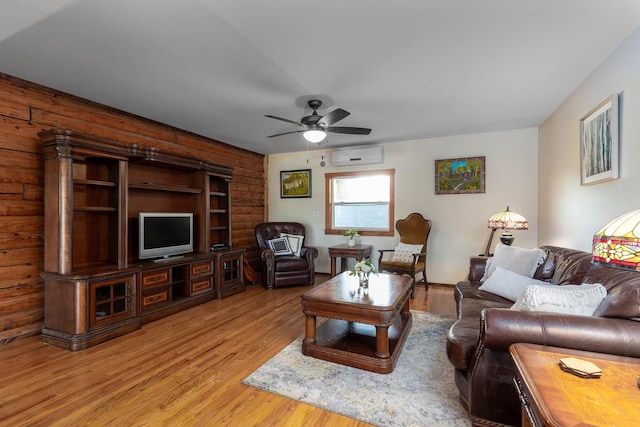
(185, 369)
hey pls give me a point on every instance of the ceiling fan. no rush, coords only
(315, 127)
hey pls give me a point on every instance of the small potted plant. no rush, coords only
(351, 234)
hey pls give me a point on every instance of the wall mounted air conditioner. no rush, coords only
(357, 156)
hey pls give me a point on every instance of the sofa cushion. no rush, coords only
(569, 299)
(508, 284)
(623, 291)
(471, 307)
(567, 266)
(623, 302)
(291, 263)
(519, 260)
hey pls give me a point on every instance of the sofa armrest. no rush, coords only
(267, 255)
(310, 253)
(416, 256)
(499, 328)
(382, 252)
(477, 265)
(492, 394)
(268, 267)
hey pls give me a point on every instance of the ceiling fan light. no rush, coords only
(314, 135)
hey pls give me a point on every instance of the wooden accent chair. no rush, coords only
(410, 256)
(284, 270)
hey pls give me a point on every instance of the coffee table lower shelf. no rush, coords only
(354, 344)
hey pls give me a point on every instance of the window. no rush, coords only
(361, 200)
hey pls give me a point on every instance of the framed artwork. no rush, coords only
(294, 184)
(460, 176)
(599, 142)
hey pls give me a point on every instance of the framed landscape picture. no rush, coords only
(460, 176)
(599, 142)
(295, 184)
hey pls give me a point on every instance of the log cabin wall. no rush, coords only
(25, 110)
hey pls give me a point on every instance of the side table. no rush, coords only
(343, 251)
(552, 397)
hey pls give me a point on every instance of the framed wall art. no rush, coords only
(460, 176)
(295, 184)
(599, 144)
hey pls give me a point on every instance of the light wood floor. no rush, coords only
(185, 369)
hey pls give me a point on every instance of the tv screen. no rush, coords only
(164, 235)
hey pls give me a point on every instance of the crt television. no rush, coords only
(164, 234)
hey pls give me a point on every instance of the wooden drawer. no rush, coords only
(156, 298)
(201, 285)
(156, 277)
(201, 268)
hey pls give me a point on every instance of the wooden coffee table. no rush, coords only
(364, 329)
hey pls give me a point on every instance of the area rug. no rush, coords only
(419, 392)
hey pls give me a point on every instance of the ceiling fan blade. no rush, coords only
(349, 130)
(285, 133)
(284, 120)
(333, 117)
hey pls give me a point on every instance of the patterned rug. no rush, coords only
(419, 392)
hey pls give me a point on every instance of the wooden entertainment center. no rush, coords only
(96, 288)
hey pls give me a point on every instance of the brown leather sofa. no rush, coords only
(284, 270)
(478, 342)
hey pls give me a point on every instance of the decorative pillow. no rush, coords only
(508, 284)
(519, 260)
(295, 242)
(404, 252)
(280, 246)
(569, 299)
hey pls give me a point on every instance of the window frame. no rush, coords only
(328, 208)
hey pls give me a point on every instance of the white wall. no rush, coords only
(570, 213)
(459, 222)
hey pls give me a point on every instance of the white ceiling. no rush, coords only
(408, 69)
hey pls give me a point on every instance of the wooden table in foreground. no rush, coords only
(344, 252)
(365, 328)
(552, 397)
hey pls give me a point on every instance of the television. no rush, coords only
(164, 235)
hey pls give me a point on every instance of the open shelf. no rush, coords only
(94, 182)
(95, 209)
(164, 187)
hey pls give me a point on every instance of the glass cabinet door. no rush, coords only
(111, 300)
(231, 269)
(230, 274)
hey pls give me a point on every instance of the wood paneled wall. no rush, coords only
(25, 110)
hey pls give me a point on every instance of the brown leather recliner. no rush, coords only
(284, 270)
